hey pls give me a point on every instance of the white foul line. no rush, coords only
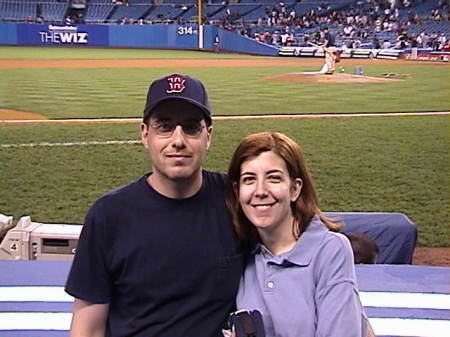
(136, 120)
(337, 115)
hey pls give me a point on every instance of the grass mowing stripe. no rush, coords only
(70, 53)
(117, 93)
(109, 142)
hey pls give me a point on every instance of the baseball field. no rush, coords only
(362, 157)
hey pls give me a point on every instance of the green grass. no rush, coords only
(106, 92)
(363, 164)
(383, 164)
(54, 53)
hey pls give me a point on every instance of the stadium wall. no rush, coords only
(127, 36)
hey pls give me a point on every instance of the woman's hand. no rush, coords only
(228, 333)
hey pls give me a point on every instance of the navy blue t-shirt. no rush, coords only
(167, 267)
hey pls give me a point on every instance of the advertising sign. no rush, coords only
(62, 35)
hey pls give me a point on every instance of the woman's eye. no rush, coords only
(275, 179)
(247, 180)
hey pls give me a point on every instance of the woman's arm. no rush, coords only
(89, 319)
(339, 309)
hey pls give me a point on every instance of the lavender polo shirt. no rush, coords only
(310, 291)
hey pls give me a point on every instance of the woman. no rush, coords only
(300, 274)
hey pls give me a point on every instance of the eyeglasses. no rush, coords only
(166, 128)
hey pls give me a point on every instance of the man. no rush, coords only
(328, 38)
(365, 249)
(158, 257)
(332, 55)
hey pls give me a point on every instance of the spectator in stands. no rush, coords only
(442, 4)
(442, 40)
(158, 257)
(446, 47)
(370, 16)
(434, 43)
(419, 40)
(348, 31)
(414, 46)
(297, 257)
(284, 38)
(402, 39)
(376, 43)
(365, 249)
(425, 40)
(356, 44)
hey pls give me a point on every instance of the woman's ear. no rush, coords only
(296, 189)
(236, 188)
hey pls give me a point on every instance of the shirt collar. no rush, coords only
(308, 244)
(304, 250)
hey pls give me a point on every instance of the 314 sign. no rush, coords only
(186, 30)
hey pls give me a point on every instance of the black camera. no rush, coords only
(247, 323)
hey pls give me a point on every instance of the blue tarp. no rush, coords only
(394, 233)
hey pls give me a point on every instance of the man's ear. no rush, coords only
(144, 134)
(209, 132)
(296, 189)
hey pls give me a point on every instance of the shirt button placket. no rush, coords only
(269, 280)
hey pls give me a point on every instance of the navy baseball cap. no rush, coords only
(178, 86)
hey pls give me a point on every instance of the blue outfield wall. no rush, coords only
(155, 36)
(233, 42)
(8, 34)
(124, 36)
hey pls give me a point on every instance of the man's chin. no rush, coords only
(182, 175)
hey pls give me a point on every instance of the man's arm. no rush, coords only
(325, 49)
(89, 319)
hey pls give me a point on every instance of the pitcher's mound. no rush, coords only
(7, 114)
(322, 78)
